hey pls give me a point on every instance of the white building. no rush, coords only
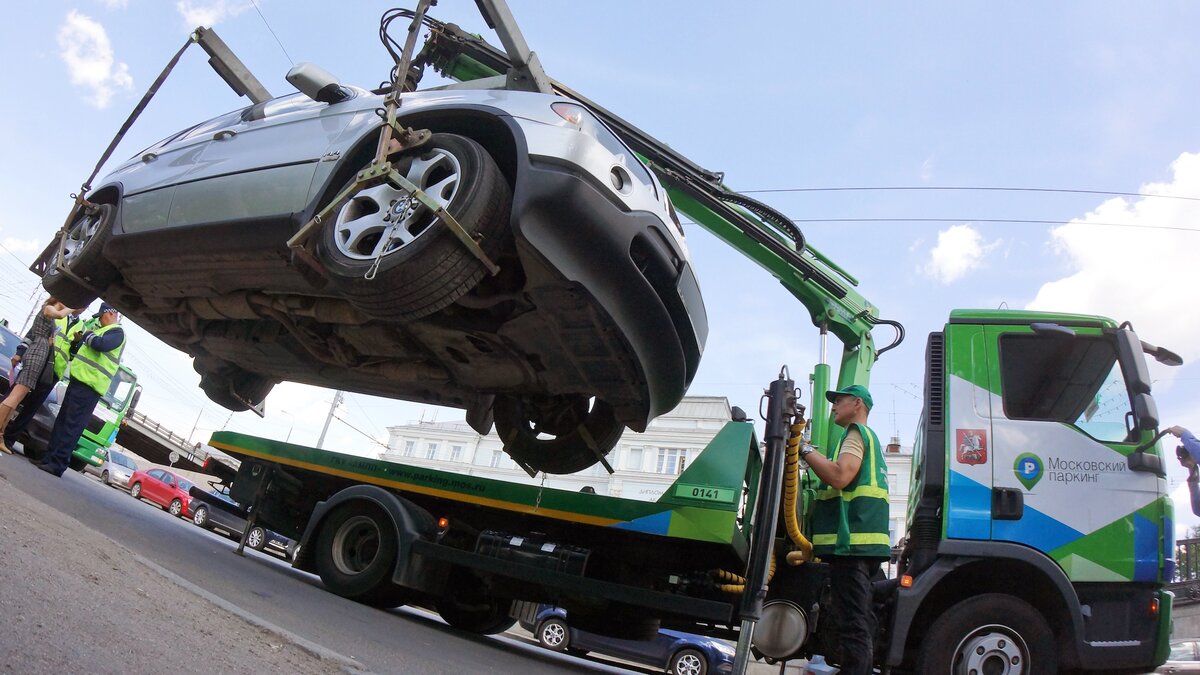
(645, 464)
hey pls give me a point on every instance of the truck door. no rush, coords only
(969, 456)
(1061, 432)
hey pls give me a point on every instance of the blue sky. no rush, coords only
(778, 95)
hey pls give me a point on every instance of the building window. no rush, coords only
(409, 448)
(496, 458)
(431, 450)
(634, 463)
(670, 460)
(456, 453)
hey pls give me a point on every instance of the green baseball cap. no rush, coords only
(856, 390)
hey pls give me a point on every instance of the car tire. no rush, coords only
(175, 508)
(256, 538)
(356, 552)
(200, 517)
(104, 478)
(229, 386)
(993, 627)
(557, 435)
(553, 634)
(136, 491)
(84, 256)
(424, 266)
(688, 662)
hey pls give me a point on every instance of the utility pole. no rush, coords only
(337, 399)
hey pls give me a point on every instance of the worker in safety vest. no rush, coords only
(850, 523)
(65, 326)
(95, 355)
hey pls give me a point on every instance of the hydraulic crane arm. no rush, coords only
(754, 229)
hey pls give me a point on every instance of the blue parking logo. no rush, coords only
(1028, 468)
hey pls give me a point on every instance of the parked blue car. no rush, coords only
(676, 652)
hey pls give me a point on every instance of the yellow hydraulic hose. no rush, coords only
(735, 583)
(791, 488)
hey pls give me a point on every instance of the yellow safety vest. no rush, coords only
(97, 369)
(61, 344)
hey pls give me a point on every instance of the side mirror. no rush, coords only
(1162, 355)
(1129, 348)
(137, 395)
(1146, 412)
(317, 83)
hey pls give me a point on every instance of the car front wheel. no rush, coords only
(688, 662)
(393, 256)
(136, 491)
(554, 634)
(257, 538)
(82, 254)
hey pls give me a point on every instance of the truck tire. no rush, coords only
(990, 633)
(469, 606)
(556, 434)
(422, 266)
(83, 255)
(356, 552)
(688, 662)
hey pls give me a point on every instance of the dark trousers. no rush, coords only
(77, 406)
(29, 407)
(854, 621)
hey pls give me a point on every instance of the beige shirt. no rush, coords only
(853, 445)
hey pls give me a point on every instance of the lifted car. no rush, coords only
(582, 318)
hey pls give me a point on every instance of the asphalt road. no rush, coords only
(259, 587)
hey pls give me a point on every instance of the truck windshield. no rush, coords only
(120, 390)
(1073, 380)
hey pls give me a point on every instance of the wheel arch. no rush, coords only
(410, 521)
(481, 124)
(1007, 569)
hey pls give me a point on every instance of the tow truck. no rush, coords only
(1040, 529)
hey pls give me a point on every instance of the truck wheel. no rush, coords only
(83, 256)
(175, 508)
(200, 517)
(469, 606)
(688, 662)
(554, 634)
(257, 538)
(356, 552)
(991, 633)
(556, 434)
(422, 265)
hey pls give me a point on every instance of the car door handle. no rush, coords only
(224, 135)
(1007, 504)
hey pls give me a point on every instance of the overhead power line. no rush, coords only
(272, 31)
(1018, 221)
(949, 188)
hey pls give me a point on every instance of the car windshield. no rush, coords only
(222, 497)
(118, 458)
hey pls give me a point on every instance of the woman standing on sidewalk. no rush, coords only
(34, 360)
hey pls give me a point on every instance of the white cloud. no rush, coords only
(209, 12)
(15, 245)
(83, 45)
(115, 4)
(960, 249)
(1147, 276)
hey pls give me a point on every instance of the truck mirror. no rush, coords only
(137, 395)
(1146, 412)
(1146, 462)
(1162, 355)
(1129, 347)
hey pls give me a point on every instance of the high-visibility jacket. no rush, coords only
(94, 368)
(61, 345)
(853, 521)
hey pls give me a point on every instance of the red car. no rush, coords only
(163, 488)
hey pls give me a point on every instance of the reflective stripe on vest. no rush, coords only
(94, 368)
(854, 520)
(61, 344)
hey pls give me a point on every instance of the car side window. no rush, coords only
(155, 473)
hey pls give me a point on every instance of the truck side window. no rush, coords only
(1075, 381)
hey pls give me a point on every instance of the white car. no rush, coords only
(116, 469)
(590, 321)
